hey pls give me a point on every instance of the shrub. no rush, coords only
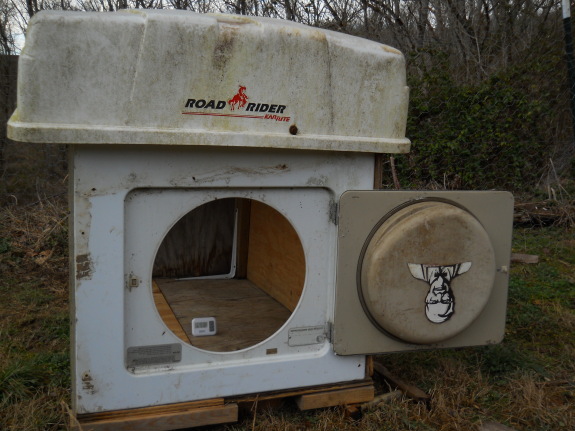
(486, 135)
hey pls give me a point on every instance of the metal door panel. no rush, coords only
(362, 213)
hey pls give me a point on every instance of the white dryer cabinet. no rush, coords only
(225, 235)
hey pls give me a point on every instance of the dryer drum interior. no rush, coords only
(236, 260)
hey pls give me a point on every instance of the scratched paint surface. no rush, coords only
(120, 219)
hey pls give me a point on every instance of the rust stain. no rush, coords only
(235, 20)
(224, 48)
(391, 50)
(84, 267)
(87, 383)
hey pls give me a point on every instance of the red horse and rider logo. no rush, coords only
(240, 99)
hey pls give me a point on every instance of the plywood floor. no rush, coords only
(245, 315)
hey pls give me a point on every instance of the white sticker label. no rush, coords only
(307, 335)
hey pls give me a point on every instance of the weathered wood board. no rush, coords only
(160, 418)
(336, 397)
(276, 260)
(245, 315)
(167, 314)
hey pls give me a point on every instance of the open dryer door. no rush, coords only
(421, 270)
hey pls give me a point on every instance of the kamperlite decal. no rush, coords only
(440, 301)
(239, 102)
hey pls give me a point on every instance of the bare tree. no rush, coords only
(7, 28)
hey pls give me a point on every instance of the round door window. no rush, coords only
(427, 272)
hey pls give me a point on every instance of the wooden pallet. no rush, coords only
(160, 418)
(221, 410)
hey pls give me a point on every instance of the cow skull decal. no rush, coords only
(440, 302)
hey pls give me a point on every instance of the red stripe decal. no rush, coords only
(259, 117)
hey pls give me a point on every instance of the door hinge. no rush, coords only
(334, 212)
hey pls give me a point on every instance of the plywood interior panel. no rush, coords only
(245, 315)
(276, 260)
(167, 314)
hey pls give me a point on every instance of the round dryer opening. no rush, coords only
(228, 274)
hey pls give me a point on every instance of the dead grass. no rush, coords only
(463, 398)
(526, 383)
(536, 404)
(34, 360)
(38, 412)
